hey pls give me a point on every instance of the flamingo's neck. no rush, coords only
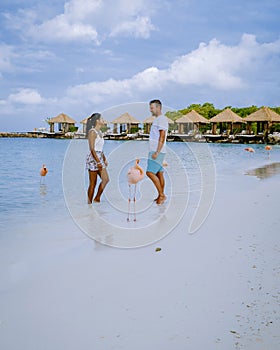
(138, 167)
(140, 170)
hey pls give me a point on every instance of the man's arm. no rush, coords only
(161, 140)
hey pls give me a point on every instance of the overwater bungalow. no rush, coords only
(126, 123)
(264, 118)
(64, 123)
(191, 121)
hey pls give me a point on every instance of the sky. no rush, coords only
(83, 56)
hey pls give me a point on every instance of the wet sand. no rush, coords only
(216, 288)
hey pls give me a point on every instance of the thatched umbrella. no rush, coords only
(226, 116)
(184, 122)
(64, 120)
(148, 121)
(195, 118)
(264, 116)
(127, 119)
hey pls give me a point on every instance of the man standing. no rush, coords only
(157, 149)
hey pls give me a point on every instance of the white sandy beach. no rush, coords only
(217, 288)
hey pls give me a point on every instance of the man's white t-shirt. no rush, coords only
(159, 123)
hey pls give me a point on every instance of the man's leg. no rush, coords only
(161, 198)
(157, 182)
(161, 181)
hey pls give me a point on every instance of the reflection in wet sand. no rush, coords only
(43, 190)
(265, 171)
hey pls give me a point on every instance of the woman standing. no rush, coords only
(96, 161)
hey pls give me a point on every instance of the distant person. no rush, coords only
(96, 162)
(157, 149)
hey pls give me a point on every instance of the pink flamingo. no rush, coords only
(43, 171)
(249, 149)
(134, 175)
(268, 148)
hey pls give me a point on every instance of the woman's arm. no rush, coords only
(91, 142)
(104, 159)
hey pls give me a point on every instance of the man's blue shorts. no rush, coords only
(155, 165)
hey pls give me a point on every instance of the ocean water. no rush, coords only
(26, 199)
(213, 285)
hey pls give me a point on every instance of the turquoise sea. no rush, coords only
(26, 199)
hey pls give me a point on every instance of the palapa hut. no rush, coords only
(148, 122)
(226, 116)
(264, 117)
(64, 122)
(126, 121)
(197, 118)
(185, 124)
(191, 117)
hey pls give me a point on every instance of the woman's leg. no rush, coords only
(104, 180)
(92, 184)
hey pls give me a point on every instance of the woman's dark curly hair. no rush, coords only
(91, 122)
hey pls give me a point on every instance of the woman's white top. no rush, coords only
(99, 142)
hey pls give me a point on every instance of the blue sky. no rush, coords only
(85, 56)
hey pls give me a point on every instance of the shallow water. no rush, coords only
(265, 171)
(26, 198)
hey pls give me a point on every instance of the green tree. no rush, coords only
(207, 110)
(244, 111)
(174, 115)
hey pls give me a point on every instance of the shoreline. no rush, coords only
(206, 138)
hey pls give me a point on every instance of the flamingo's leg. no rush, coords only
(129, 196)
(134, 203)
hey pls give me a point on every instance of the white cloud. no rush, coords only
(26, 96)
(139, 28)
(213, 65)
(71, 25)
(25, 103)
(81, 10)
(88, 21)
(61, 29)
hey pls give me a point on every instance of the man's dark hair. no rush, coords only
(157, 102)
